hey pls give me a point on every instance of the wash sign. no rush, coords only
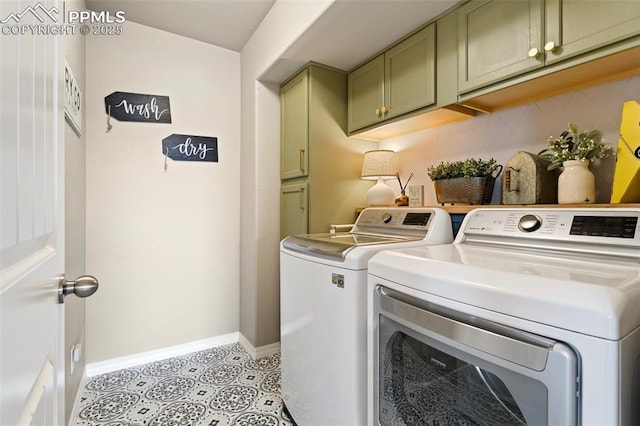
(72, 99)
(125, 106)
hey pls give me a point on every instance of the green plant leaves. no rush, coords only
(574, 145)
(471, 167)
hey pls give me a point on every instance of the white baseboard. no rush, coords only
(76, 403)
(129, 361)
(260, 352)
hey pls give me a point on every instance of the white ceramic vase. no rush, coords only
(576, 183)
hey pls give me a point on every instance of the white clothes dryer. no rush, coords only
(323, 283)
(531, 316)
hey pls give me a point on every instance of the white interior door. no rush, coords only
(32, 220)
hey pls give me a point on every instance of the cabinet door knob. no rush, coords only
(384, 110)
(534, 52)
(550, 46)
(301, 199)
(302, 160)
(378, 113)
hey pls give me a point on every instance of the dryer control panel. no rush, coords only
(604, 226)
(585, 226)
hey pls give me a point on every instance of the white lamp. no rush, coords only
(378, 165)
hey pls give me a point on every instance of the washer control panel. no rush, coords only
(405, 223)
(395, 218)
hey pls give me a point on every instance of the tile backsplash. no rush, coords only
(525, 128)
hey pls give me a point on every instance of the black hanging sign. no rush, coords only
(190, 148)
(125, 106)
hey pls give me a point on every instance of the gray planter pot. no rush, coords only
(475, 190)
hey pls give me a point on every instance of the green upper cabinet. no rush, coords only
(294, 125)
(495, 40)
(499, 39)
(366, 94)
(398, 81)
(409, 73)
(574, 27)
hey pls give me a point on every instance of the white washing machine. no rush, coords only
(531, 316)
(323, 283)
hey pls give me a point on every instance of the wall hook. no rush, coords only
(109, 126)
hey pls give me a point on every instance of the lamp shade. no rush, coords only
(378, 164)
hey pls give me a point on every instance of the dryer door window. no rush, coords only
(421, 385)
(428, 378)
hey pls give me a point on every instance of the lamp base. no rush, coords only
(380, 195)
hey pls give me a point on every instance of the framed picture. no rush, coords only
(416, 195)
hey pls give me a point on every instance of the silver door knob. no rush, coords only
(83, 286)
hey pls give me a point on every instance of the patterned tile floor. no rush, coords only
(217, 387)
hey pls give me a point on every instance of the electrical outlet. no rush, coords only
(76, 353)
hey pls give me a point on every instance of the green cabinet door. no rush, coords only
(294, 127)
(314, 109)
(409, 74)
(500, 39)
(366, 94)
(578, 26)
(496, 40)
(294, 209)
(398, 81)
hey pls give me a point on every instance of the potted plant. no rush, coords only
(466, 181)
(574, 151)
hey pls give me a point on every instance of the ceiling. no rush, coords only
(349, 32)
(224, 23)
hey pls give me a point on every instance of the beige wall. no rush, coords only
(260, 205)
(526, 128)
(74, 48)
(164, 243)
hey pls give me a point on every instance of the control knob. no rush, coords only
(529, 223)
(386, 218)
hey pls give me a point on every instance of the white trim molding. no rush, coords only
(75, 410)
(120, 363)
(260, 352)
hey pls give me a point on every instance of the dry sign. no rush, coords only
(190, 148)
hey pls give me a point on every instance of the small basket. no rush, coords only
(472, 190)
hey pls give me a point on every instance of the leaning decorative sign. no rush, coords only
(72, 99)
(125, 106)
(190, 148)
